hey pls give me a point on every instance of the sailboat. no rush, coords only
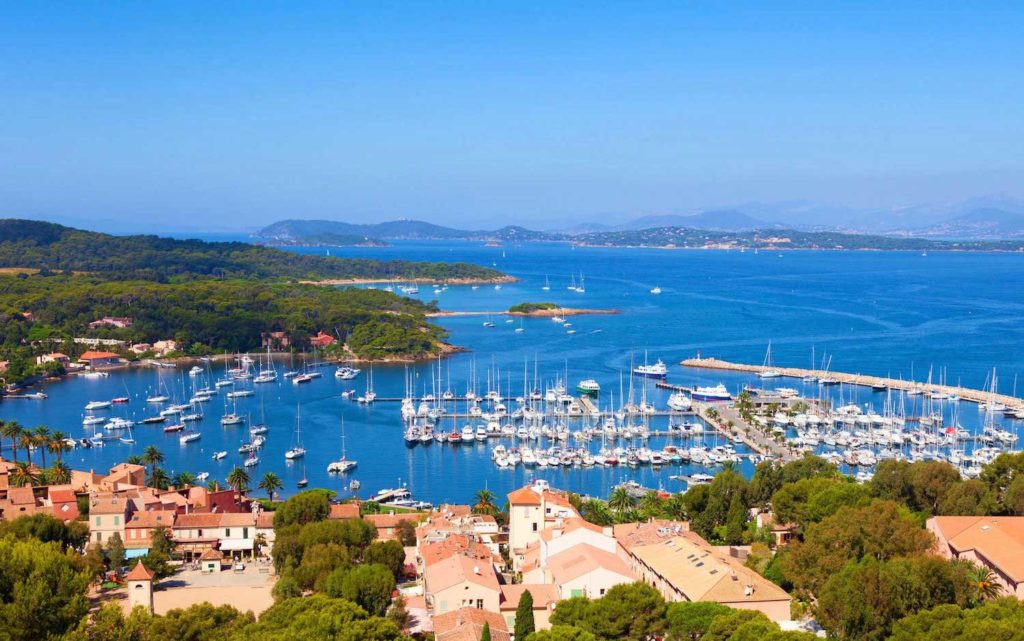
(370, 396)
(303, 482)
(547, 285)
(129, 440)
(580, 289)
(344, 464)
(520, 329)
(769, 372)
(298, 451)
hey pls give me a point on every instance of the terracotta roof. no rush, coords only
(455, 544)
(653, 531)
(344, 511)
(450, 511)
(524, 496)
(197, 520)
(62, 494)
(108, 504)
(151, 519)
(265, 520)
(702, 573)
(569, 525)
(21, 495)
(211, 555)
(457, 569)
(467, 624)
(140, 573)
(558, 499)
(391, 520)
(582, 559)
(545, 595)
(999, 539)
(88, 356)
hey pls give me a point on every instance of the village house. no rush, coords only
(387, 524)
(322, 340)
(459, 582)
(531, 509)
(139, 530)
(545, 596)
(682, 566)
(467, 624)
(994, 542)
(54, 357)
(94, 360)
(582, 570)
(275, 341)
(108, 514)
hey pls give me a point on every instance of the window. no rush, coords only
(227, 531)
(200, 534)
(117, 520)
(602, 591)
(576, 593)
(479, 604)
(245, 533)
(99, 521)
(534, 527)
(444, 606)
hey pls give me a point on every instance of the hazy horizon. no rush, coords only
(169, 116)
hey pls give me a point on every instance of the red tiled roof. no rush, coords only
(140, 573)
(88, 356)
(344, 511)
(524, 496)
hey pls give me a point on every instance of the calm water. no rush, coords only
(895, 314)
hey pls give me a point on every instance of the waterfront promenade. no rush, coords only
(965, 393)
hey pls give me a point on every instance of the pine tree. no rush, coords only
(485, 635)
(524, 616)
(736, 521)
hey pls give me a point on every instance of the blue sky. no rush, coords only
(224, 115)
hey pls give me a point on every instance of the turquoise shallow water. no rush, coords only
(882, 313)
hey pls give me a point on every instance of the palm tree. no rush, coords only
(134, 459)
(596, 512)
(11, 430)
(58, 444)
(485, 502)
(152, 456)
(158, 478)
(270, 482)
(41, 440)
(984, 582)
(238, 479)
(27, 440)
(621, 500)
(23, 474)
(183, 479)
(59, 473)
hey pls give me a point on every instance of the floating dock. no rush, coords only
(965, 393)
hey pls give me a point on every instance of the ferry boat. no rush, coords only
(590, 387)
(658, 370)
(712, 394)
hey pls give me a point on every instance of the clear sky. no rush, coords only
(219, 114)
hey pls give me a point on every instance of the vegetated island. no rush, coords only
(59, 284)
(542, 310)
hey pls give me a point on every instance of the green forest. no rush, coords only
(208, 297)
(47, 246)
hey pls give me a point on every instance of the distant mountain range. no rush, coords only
(990, 218)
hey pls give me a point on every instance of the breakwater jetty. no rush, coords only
(964, 393)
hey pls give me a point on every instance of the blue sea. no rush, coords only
(898, 314)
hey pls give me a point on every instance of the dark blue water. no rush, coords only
(896, 314)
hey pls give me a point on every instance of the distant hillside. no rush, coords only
(312, 232)
(982, 223)
(47, 246)
(716, 220)
(682, 237)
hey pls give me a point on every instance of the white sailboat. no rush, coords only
(770, 372)
(298, 451)
(547, 285)
(344, 464)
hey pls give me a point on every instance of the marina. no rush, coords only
(604, 349)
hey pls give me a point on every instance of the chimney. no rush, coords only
(476, 569)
